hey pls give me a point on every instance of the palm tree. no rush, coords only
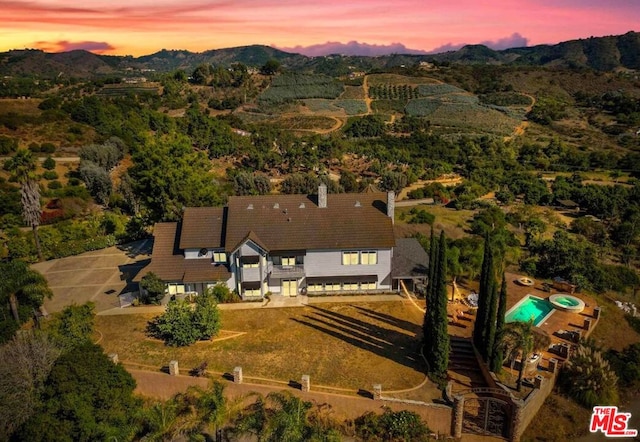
(522, 339)
(22, 167)
(280, 417)
(161, 421)
(20, 283)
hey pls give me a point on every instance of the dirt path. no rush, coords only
(447, 182)
(522, 127)
(367, 99)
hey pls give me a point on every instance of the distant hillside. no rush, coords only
(255, 55)
(598, 53)
(42, 64)
(601, 54)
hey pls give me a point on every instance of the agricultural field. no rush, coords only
(453, 108)
(289, 87)
(393, 92)
(352, 107)
(394, 79)
(353, 93)
(429, 90)
(114, 90)
(388, 106)
(319, 105)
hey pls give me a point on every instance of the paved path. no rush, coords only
(275, 302)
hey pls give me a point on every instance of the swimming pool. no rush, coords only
(528, 308)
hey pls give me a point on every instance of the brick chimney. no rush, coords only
(322, 196)
(391, 205)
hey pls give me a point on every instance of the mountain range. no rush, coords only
(598, 53)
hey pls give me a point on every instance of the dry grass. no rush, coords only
(25, 107)
(613, 330)
(338, 345)
(353, 93)
(453, 222)
(559, 420)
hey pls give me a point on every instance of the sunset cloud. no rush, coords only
(351, 48)
(98, 47)
(366, 26)
(515, 40)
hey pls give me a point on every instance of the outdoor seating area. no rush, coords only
(471, 300)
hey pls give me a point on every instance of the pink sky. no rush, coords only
(146, 26)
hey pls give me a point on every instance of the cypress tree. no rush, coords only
(491, 320)
(483, 295)
(439, 354)
(498, 353)
(427, 325)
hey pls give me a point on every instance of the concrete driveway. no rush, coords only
(98, 276)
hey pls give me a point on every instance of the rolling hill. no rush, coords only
(597, 53)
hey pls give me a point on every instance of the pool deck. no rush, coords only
(553, 325)
(558, 321)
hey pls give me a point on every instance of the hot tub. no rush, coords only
(567, 302)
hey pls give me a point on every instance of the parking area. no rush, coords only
(99, 276)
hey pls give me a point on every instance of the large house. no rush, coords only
(287, 245)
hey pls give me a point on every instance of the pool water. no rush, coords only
(530, 308)
(567, 302)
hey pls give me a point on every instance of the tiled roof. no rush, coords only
(293, 222)
(167, 260)
(164, 239)
(202, 227)
(409, 259)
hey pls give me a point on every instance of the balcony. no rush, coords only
(286, 272)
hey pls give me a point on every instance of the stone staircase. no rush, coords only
(464, 369)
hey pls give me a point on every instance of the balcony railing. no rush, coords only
(280, 271)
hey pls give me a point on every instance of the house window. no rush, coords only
(219, 257)
(314, 288)
(289, 261)
(176, 289)
(251, 289)
(251, 293)
(349, 258)
(249, 262)
(369, 258)
(335, 287)
(350, 286)
(368, 285)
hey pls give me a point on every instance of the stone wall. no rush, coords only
(534, 401)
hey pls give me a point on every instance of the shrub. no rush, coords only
(50, 175)
(391, 426)
(53, 185)
(153, 289)
(47, 148)
(97, 179)
(8, 145)
(222, 294)
(182, 325)
(421, 216)
(49, 163)
(589, 379)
